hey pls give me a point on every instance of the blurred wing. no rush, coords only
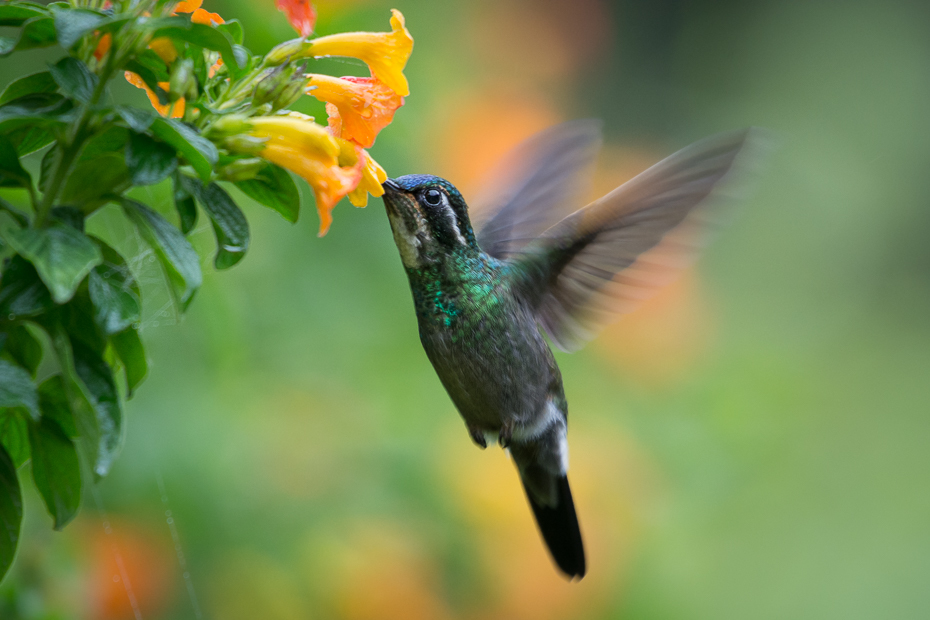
(605, 258)
(533, 185)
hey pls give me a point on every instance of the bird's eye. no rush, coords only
(432, 197)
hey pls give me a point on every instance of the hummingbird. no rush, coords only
(486, 301)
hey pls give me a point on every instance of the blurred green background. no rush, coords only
(752, 443)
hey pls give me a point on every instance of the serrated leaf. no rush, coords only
(12, 173)
(14, 435)
(197, 150)
(274, 187)
(53, 401)
(11, 512)
(56, 470)
(131, 352)
(41, 82)
(113, 292)
(23, 347)
(74, 78)
(71, 24)
(148, 160)
(61, 255)
(36, 32)
(17, 388)
(185, 206)
(175, 254)
(22, 292)
(229, 223)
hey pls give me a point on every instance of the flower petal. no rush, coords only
(187, 6)
(200, 16)
(358, 108)
(385, 53)
(176, 109)
(300, 13)
(373, 175)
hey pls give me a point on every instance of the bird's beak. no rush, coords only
(391, 186)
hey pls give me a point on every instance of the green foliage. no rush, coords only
(60, 288)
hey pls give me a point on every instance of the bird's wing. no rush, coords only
(603, 259)
(533, 185)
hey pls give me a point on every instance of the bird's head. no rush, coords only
(429, 218)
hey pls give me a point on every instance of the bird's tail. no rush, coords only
(551, 499)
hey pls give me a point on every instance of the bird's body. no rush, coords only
(484, 302)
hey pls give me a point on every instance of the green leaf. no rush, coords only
(274, 187)
(200, 152)
(90, 180)
(229, 224)
(36, 32)
(113, 292)
(100, 389)
(151, 79)
(131, 352)
(184, 204)
(148, 160)
(14, 435)
(22, 347)
(178, 259)
(11, 512)
(74, 78)
(41, 82)
(72, 24)
(17, 388)
(12, 173)
(234, 29)
(53, 401)
(28, 140)
(78, 317)
(139, 120)
(56, 470)
(15, 14)
(61, 255)
(180, 28)
(22, 292)
(35, 110)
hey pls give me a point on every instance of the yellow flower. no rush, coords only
(373, 175)
(328, 164)
(385, 53)
(358, 108)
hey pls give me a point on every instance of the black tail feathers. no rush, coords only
(559, 527)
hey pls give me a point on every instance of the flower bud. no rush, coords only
(182, 82)
(245, 143)
(282, 52)
(243, 169)
(229, 125)
(291, 92)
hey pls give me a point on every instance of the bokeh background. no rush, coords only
(752, 443)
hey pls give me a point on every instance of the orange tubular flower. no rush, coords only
(307, 149)
(300, 13)
(373, 175)
(385, 53)
(176, 109)
(358, 108)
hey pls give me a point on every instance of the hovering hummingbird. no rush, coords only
(485, 300)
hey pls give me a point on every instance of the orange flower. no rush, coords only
(200, 16)
(373, 175)
(176, 109)
(329, 165)
(164, 47)
(358, 108)
(385, 53)
(103, 46)
(300, 13)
